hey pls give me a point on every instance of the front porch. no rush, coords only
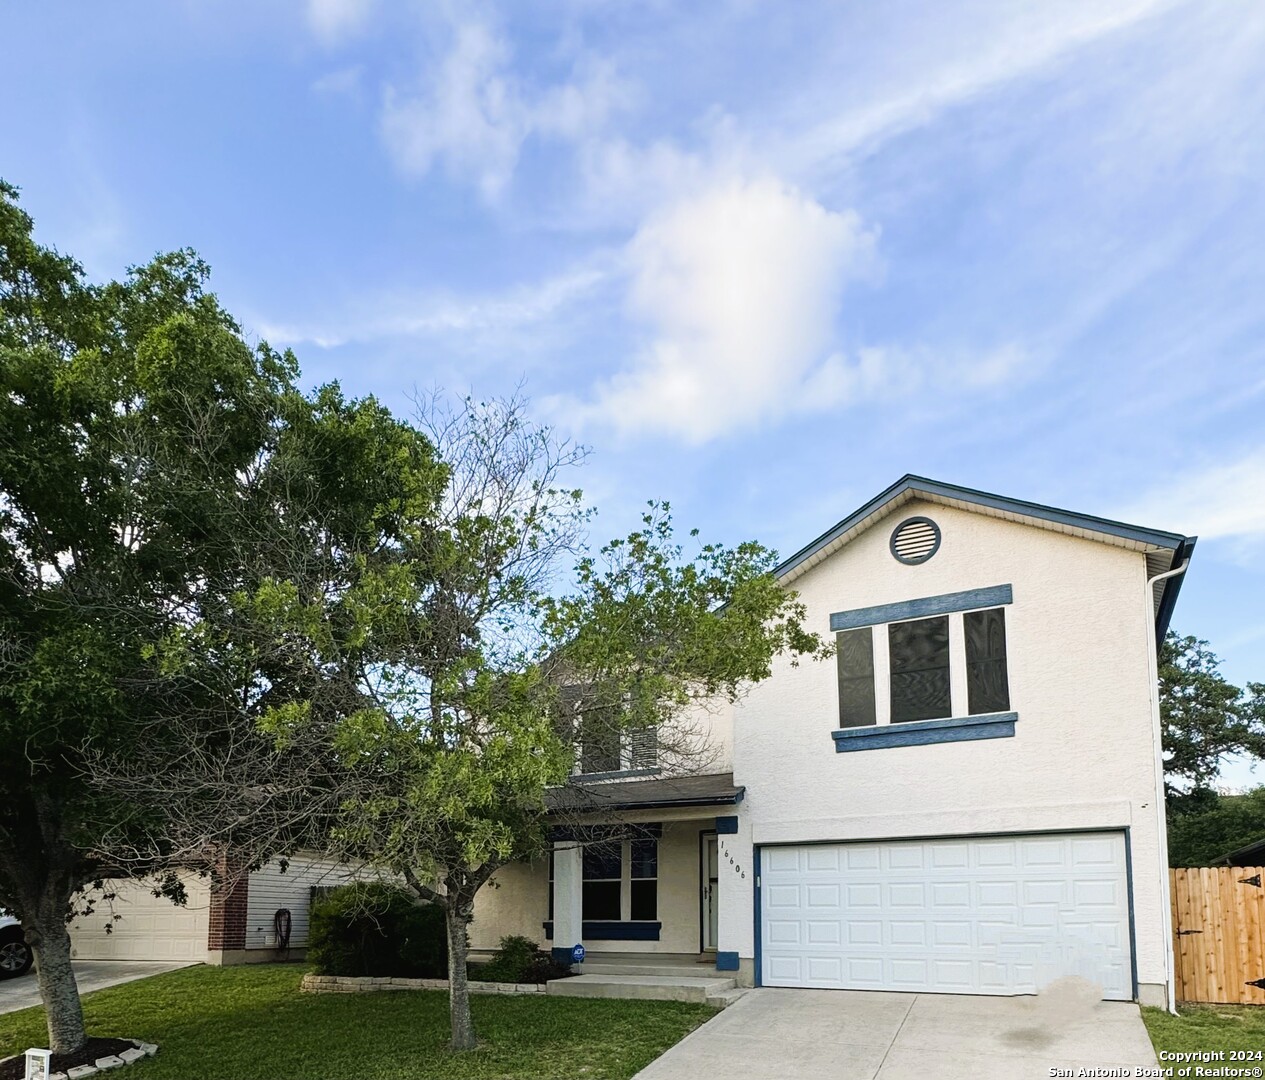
(634, 879)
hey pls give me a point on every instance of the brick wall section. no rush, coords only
(228, 914)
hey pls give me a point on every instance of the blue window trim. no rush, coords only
(613, 931)
(919, 733)
(993, 596)
(726, 961)
(727, 826)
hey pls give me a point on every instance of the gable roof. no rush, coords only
(1163, 550)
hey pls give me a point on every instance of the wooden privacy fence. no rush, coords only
(1219, 934)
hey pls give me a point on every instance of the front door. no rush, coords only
(710, 899)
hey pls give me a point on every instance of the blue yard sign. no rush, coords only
(577, 955)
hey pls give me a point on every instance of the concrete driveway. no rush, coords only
(23, 992)
(773, 1034)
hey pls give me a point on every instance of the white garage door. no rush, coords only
(152, 927)
(992, 915)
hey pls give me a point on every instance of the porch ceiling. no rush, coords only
(711, 789)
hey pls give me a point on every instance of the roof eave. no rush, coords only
(921, 485)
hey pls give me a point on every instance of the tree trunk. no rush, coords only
(458, 917)
(50, 941)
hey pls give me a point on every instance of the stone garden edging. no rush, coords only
(352, 984)
(103, 1064)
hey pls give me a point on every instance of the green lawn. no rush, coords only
(243, 1023)
(1208, 1027)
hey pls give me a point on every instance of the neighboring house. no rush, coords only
(238, 928)
(1251, 855)
(969, 799)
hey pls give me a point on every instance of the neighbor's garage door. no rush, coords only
(152, 927)
(992, 915)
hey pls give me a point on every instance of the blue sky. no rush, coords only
(764, 258)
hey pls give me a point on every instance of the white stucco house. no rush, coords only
(967, 799)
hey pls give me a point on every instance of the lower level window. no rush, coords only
(603, 880)
(621, 881)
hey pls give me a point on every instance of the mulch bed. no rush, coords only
(15, 1068)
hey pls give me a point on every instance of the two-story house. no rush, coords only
(968, 799)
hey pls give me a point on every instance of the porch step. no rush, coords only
(649, 967)
(725, 998)
(640, 987)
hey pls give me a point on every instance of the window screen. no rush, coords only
(854, 659)
(920, 669)
(599, 742)
(987, 685)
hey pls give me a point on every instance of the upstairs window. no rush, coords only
(599, 745)
(916, 666)
(605, 748)
(854, 658)
(919, 658)
(987, 683)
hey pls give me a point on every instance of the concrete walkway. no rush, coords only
(22, 992)
(773, 1034)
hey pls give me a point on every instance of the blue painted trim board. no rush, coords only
(727, 826)
(1133, 937)
(993, 596)
(726, 961)
(561, 956)
(756, 909)
(923, 732)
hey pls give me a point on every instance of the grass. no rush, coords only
(252, 1023)
(1208, 1027)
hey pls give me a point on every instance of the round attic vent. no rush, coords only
(915, 540)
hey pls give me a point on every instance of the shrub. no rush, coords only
(544, 968)
(521, 960)
(370, 928)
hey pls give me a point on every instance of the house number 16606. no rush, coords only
(737, 868)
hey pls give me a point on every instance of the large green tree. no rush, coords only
(164, 490)
(484, 631)
(1205, 717)
(1205, 825)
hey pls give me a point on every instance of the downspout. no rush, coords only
(1157, 738)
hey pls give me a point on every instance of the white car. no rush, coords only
(15, 953)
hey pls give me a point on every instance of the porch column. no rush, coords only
(735, 946)
(568, 899)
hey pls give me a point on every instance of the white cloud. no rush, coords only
(472, 115)
(332, 21)
(1218, 501)
(741, 286)
(960, 61)
(435, 314)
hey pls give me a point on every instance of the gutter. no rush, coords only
(1175, 576)
(658, 804)
(1157, 739)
